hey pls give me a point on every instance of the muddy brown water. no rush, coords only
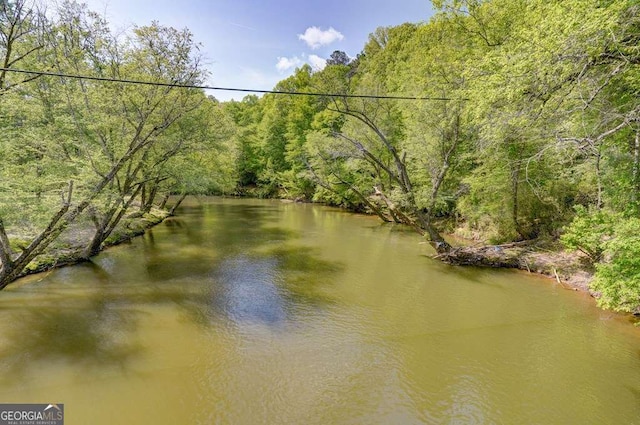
(247, 312)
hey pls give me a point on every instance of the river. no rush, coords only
(249, 311)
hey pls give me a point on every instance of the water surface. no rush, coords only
(246, 312)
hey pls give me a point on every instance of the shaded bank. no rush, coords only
(72, 245)
(572, 270)
(548, 258)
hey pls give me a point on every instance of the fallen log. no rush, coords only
(496, 256)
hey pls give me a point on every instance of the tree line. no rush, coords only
(529, 128)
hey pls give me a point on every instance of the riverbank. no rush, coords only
(549, 258)
(570, 269)
(67, 250)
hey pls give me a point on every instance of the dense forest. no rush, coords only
(519, 120)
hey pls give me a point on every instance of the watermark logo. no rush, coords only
(32, 414)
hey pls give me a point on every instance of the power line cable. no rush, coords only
(203, 87)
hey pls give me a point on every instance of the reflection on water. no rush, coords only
(243, 311)
(271, 285)
(248, 291)
(77, 334)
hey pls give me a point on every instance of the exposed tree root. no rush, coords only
(498, 256)
(571, 270)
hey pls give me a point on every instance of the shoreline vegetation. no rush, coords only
(571, 270)
(519, 120)
(70, 248)
(546, 258)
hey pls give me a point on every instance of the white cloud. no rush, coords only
(316, 62)
(285, 64)
(315, 37)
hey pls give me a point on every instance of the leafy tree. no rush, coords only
(88, 141)
(246, 116)
(282, 130)
(205, 164)
(338, 57)
(438, 131)
(122, 131)
(21, 31)
(589, 231)
(618, 278)
(374, 131)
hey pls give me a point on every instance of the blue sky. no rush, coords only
(255, 44)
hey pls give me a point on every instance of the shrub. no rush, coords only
(618, 276)
(589, 231)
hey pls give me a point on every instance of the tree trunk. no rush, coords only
(11, 270)
(506, 255)
(94, 245)
(636, 171)
(423, 225)
(143, 198)
(446, 164)
(178, 202)
(598, 180)
(436, 239)
(149, 192)
(515, 209)
(105, 227)
(151, 197)
(6, 253)
(163, 203)
(374, 208)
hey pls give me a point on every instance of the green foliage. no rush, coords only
(485, 208)
(205, 161)
(76, 148)
(618, 277)
(590, 231)
(246, 116)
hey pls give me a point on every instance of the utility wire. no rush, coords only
(191, 86)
